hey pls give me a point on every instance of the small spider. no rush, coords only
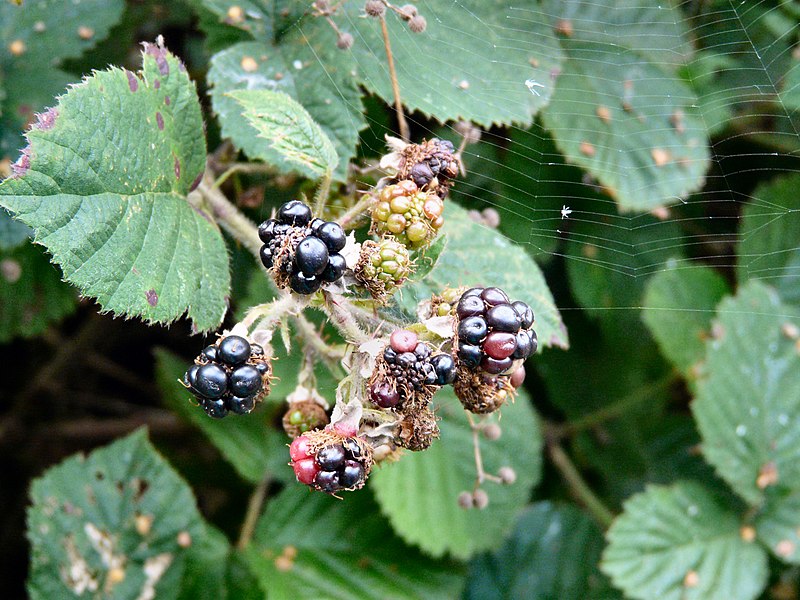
(566, 211)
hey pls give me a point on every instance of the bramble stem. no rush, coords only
(323, 192)
(270, 314)
(329, 354)
(343, 319)
(229, 217)
(349, 219)
(398, 104)
(579, 488)
(242, 168)
(253, 511)
(476, 444)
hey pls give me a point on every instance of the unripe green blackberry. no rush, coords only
(383, 266)
(412, 216)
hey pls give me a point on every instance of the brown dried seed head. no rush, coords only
(408, 11)
(480, 498)
(375, 8)
(418, 24)
(345, 41)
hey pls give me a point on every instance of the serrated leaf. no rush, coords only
(344, 550)
(32, 295)
(769, 250)
(679, 305)
(288, 129)
(745, 406)
(419, 493)
(477, 255)
(426, 260)
(630, 124)
(553, 553)
(110, 523)
(328, 93)
(678, 543)
(778, 524)
(12, 233)
(107, 197)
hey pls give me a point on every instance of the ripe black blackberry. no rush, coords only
(330, 462)
(233, 375)
(495, 335)
(301, 252)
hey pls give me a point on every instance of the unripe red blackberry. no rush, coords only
(412, 216)
(330, 462)
(382, 266)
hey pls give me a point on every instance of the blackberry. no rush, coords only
(494, 335)
(383, 266)
(230, 376)
(431, 164)
(411, 215)
(445, 368)
(330, 462)
(302, 253)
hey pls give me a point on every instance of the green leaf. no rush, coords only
(107, 197)
(288, 129)
(466, 261)
(344, 550)
(115, 522)
(790, 95)
(679, 305)
(769, 250)
(32, 295)
(678, 543)
(745, 407)
(630, 124)
(427, 259)
(553, 553)
(328, 92)
(778, 524)
(419, 493)
(12, 233)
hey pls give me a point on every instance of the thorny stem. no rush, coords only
(330, 355)
(476, 444)
(271, 313)
(242, 168)
(405, 135)
(343, 319)
(350, 218)
(578, 486)
(323, 192)
(229, 217)
(253, 511)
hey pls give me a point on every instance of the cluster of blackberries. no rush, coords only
(229, 376)
(341, 465)
(429, 161)
(411, 366)
(302, 252)
(494, 334)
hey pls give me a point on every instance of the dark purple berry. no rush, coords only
(472, 330)
(256, 350)
(389, 355)
(233, 350)
(494, 366)
(304, 285)
(406, 359)
(266, 256)
(311, 256)
(422, 351)
(493, 296)
(211, 381)
(352, 474)
(190, 377)
(470, 355)
(333, 235)
(525, 313)
(445, 368)
(266, 231)
(241, 406)
(316, 224)
(334, 269)
(245, 381)
(210, 353)
(295, 212)
(352, 448)
(503, 317)
(525, 345)
(262, 368)
(470, 306)
(330, 458)
(327, 481)
(476, 291)
(282, 229)
(421, 174)
(383, 395)
(215, 408)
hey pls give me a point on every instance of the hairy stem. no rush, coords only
(229, 217)
(476, 444)
(242, 168)
(313, 338)
(323, 192)
(398, 104)
(253, 511)
(578, 486)
(343, 319)
(350, 219)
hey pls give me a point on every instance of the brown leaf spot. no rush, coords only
(589, 250)
(133, 81)
(790, 330)
(158, 52)
(603, 114)
(167, 101)
(17, 48)
(564, 27)
(534, 62)
(157, 84)
(197, 181)
(249, 64)
(85, 33)
(152, 298)
(767, 475)
(691, 579)
(177, 168)
(785, 548)
(660, 156)
(747, 533)
(587, 149)
(159, 121)
(184, 539)
(676, 119)
(278, 76)
(144, 523)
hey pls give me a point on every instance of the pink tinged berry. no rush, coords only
(345, 429)
(305, 470)
(500, 345)
(299, 449)
(518, 377)
(403, 340)
(383, 395)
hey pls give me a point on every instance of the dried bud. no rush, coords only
(375, 8)
(345, 41)
(470, 132)
(480, 499)
(492, 432)
(418, 24)
(465, 500)
(507, 475)
(408, 11)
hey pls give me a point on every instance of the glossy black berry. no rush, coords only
(470, 306)
(331, 458)
(430, 376)
(525, 313)
(282, 229)
(266, 256)
(406, 359)
(210, 352)
(311, 256)
(476, 291)
(503, 317)
(233, 350)
(327, 481)
(295, 212)
(494, 366)
(335, 268)
(352, 474)
(493, 296)
(472, 330)
(445, 368)
(525, 345)
(332, 234)
(316, 224)
(215, 408)
(211, 381)
(304, 285)
(352, 448)
(266, 231)
(245, 381)
(262, 368)
(190, 377)
(390, 355)
(422, 351)
(241, 406)
(470, 355)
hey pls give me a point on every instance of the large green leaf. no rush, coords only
(309, 545)
(790, 96)
(115, 523)
(746, 406)
(679, 305)
(12, 233)
(285, 127)
(328, 93)
(419, 492)
(553, 553)
(107, 196)
(477, 255)
(630, 124)
(778, 524)
(769, 250)
(678, 543)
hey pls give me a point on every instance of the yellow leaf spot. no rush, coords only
(184, 539)
(115, 575)
(235, 15)
(603, 114)
(249, 64)
(85, 33)
(691, 579)
(747, 533)
(17, 48)
(660, 156)
(143, 524)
